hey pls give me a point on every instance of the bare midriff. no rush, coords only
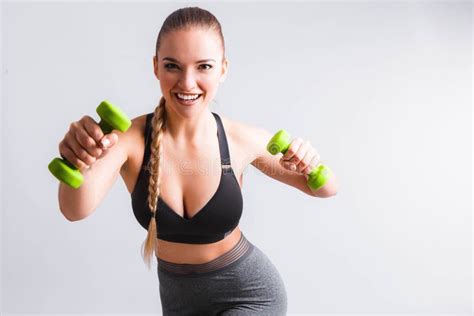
(196, 253)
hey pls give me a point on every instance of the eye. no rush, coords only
(170, 66)
(206, 65)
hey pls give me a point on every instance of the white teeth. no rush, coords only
(187, 96)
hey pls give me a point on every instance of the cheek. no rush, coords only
(167, 79)
(167, 82)
(209, 84)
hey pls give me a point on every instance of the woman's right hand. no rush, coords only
(85, 142)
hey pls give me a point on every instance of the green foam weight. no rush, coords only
(280, 142)
(112, 118)
(66, 172)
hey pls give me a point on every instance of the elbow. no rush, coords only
(327, 195)
(327, 190)
(69, 216)
(70, 219)
(321, 193)
(72, 216)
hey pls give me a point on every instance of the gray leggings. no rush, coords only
(247, 284)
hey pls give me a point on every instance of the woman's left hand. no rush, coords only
(300, 157)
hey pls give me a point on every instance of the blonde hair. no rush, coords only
(179, 19)
(154, 166)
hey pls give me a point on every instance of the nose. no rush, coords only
(187, 81)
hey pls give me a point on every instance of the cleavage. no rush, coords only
(190, 180)
(200, 195)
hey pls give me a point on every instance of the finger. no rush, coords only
(109, 140)
(79, 151)
(304, 163)
(315, 161)
(92, 128)
(302, 150)
(294, 146)
(88, 143)
(68, 154)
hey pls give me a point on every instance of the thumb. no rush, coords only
(109, 140)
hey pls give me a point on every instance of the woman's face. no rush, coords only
(190, 62)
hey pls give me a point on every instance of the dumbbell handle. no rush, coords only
(111, 118)
(317, 177)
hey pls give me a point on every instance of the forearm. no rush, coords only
(76, 204)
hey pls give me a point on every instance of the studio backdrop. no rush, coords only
(382, 90)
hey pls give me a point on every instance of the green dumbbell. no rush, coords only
(280, 142)
(111, 118)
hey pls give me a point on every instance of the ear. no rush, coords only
(155, 68)
(224, 70)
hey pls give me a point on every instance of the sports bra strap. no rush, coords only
(148, 126)
(223, 147)
(148, 131)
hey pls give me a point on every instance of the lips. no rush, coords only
(187, 102)
(180, 95)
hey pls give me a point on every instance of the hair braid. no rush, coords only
(154, 167)
(177, 20)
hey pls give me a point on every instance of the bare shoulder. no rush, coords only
(251, 137)
(129, 139)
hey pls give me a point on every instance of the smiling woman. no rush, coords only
(206, 266)
(196, 239)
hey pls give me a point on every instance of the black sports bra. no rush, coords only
(213, 222)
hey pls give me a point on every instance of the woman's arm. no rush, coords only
(77, 204)
(270, 165)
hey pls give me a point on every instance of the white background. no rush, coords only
(381, 89)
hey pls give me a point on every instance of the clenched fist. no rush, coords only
(85, 142)
(300, 157)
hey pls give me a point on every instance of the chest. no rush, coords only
(190, 177)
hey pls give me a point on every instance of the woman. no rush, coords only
(206, 266)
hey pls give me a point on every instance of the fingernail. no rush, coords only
(105, 142)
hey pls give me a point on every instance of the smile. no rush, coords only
(187, 96)
(187, 99)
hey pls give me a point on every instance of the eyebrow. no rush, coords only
(199, 61)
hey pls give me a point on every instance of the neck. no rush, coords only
(190, 130)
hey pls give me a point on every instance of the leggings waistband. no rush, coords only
(237, 252)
